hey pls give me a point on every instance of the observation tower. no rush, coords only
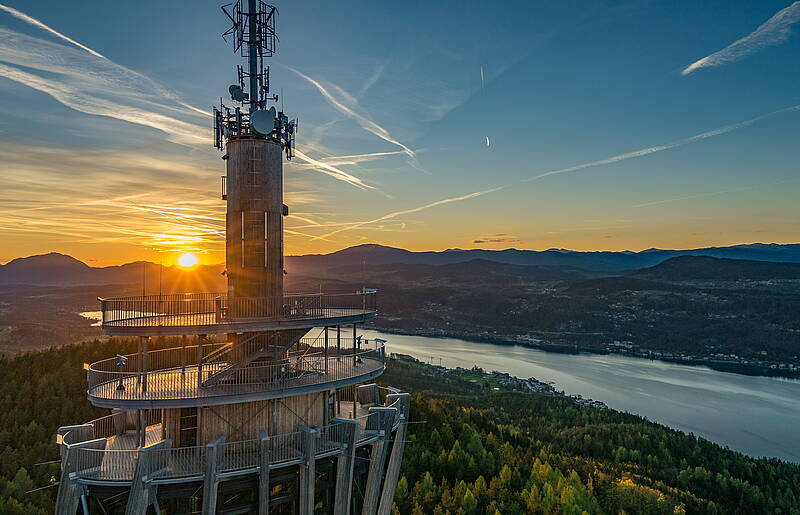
(265, 403)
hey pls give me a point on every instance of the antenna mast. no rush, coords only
(254, 38)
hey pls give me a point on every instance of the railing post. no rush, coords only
(144, 364)
(183, 356)
(354, 347)
(200, 341)
(140, 360)
(326, 350)
(338, 343)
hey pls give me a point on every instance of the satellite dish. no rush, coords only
(236, 93)
(262, 121)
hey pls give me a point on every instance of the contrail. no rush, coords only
(395, 214)
(196, 109)
(352, 159)
(688, 197)
(659, 148)
(365, 123)
(334, 172)
(711, 193)
(33, 21)
(772, 32)
(94, 86)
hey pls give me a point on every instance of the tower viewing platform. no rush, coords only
(211, 313)
(106, 451)
(208, 375)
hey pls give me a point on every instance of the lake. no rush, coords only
(759, 416)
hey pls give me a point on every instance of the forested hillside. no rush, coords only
(470, 450)
(474, 451)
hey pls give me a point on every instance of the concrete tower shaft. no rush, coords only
(254, 221)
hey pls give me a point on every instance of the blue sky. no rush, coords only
(106, 159)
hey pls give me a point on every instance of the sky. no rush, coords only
(619, 125)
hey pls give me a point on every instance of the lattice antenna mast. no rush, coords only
(254, 38)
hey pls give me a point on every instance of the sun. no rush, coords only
(187, 260)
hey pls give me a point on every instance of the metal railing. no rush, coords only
(179, 462)
(202, 309)
(176, 373)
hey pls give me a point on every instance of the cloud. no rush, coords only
(496, 238)
(68, 195)
(772, 32)
(659, 148)
(333, 171)
(33, 21)
(363, 121)
(371, 80)
(352, 159)
(395, 214)
(97, 86)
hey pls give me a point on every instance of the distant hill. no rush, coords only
(475, 271)
(698, 268)
(61, 270)
(553, 264)
(612, 285)
(605, 262)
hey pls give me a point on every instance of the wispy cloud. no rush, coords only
(772, 32)
(340, 104)
(371, 80)
(496, 238)
(33, 21)
(96, 85)
(395, 214)
(351, 159)
(333, 171)
(659, 148)
(710, 194)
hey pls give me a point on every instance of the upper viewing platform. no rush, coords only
(210, 313)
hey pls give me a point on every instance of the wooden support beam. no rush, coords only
(345, 433)
(143, 493)
(264, 457)
(210, 479)
(308, 472)
(396, 458)
(386, 417)
(71, 494)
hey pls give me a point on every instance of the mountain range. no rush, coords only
(60, 269)
(598, 261)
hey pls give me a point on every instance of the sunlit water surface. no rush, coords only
(759, 416)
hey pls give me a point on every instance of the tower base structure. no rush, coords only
(335, 451)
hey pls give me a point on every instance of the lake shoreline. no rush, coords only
(753, 415)
(720, 366)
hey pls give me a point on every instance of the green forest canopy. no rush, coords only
(470, 450)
